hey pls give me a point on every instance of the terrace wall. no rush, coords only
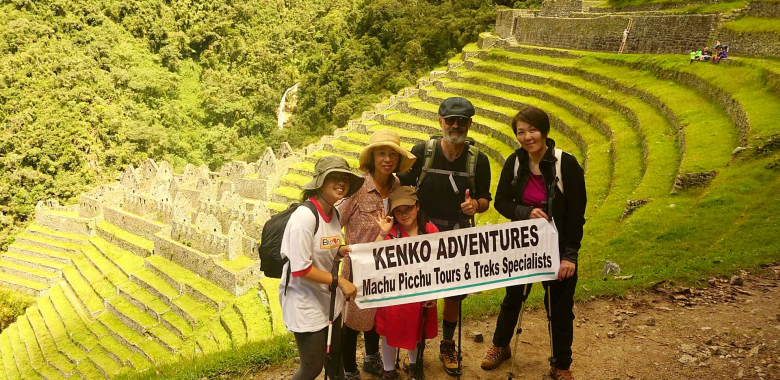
(652, 34)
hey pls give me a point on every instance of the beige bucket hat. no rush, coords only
(388, 138)
(330, 164)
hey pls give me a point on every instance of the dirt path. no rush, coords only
(722, 332)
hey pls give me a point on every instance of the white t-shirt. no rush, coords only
(306, 306)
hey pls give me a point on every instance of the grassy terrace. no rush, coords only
(710, 136)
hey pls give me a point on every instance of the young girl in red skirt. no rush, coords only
(400, 326)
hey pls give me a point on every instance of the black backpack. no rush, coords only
(271, 261)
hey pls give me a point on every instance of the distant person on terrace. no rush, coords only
(383, 157)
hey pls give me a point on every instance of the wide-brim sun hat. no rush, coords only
(390, 139)
(403, 196)
(333, 164)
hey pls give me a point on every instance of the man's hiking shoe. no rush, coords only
(373, 364)
(561, 374)
(389, 375)
(449, 356)
(352, 375)
(495, 356)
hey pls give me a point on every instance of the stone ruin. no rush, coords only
(200, 219)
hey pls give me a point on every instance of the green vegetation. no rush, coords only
(12, 304)
(233, 362)
(89, 87)
(754, 24)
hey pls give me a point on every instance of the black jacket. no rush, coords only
(568, 210)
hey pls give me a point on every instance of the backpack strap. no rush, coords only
(558, 180)
(558, 175)
(430, 149)
(308, 204)
(471, 166)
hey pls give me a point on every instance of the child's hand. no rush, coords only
(384, 222)
(429, 304)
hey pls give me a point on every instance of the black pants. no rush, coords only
(350, 347)
(311, 350)
(559, 302)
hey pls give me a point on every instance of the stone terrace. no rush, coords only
(160, 265)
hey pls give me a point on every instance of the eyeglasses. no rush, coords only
(462, 121)
(338, 177)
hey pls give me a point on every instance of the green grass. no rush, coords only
(7, 356)
(230, 363)
(297, 179)
(46, 275)
(21, 354)
(231, 321)
(271, 291)
(663, 155)
(278, 207)
(289, 192)
(58, 330)
(255, 314)
(37, 286)
(719, 7)
(754, 24)
(36, 260)
(352, 161)
(89, 371)
(197, 310)
(87, 290)
(48, 348)
(238, 264)
(37, 360)
(127, 236)
(49, 231)
(181, 275)
(346, 146)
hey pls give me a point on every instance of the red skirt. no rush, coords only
(401, 324)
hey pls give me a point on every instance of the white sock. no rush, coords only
(388, 355)
(412, 356)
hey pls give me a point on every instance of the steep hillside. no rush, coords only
(87, 87)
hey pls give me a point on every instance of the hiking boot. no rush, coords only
(389, 375)
(449, 356)
(352, 375)
(561, 374)
(373, 364)
(407, 364)
(495, 356)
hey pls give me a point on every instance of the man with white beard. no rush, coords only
(453, 181)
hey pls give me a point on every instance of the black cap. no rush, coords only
(456, 106)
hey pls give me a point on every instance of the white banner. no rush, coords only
(445, 264)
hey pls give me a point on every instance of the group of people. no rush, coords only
(719, 52)
(439, 186)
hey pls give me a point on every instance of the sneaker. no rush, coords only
(373, 364)
(561, 374)
(449, 356)
(409, 369)
(389, 375)
(495, 356)
(352, 375)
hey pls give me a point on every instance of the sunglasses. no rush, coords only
(462, 121)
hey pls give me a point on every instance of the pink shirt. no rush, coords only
(535, 192)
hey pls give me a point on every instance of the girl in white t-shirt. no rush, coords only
(311, 250)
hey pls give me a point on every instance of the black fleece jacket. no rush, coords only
(568, 209)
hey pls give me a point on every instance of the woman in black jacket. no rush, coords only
(531, 187)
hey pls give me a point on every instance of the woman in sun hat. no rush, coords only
(380, 160)
(311, 247)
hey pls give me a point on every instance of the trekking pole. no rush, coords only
(339, 363)
(333, 287)
(460, 327)
(519, 330)
(418, 368)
